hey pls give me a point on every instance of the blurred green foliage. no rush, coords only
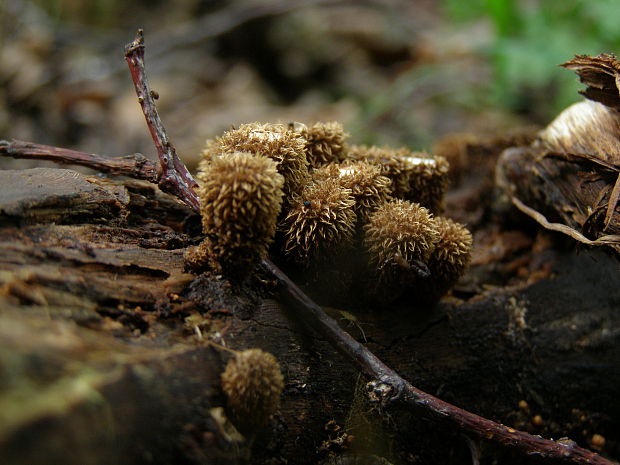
(529, 37)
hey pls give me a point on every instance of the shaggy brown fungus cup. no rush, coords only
(240, 199)
(450, 257)
(325, 142)
(276, 141)
(399, 238)
(321, 219)
(417, 177)
(252, 383)
(369, 188)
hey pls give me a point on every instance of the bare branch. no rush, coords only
(174, 177)
(135, 166)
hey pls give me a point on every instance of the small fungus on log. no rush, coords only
(252, 383)
(240, 199)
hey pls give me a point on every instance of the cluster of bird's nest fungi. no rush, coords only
(305, 197)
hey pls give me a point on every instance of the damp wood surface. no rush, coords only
(103, 352)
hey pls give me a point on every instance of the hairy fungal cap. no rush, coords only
(368, 187)
(240, 199)
(400, 230)
(325, 142)
(428, 180)
(453, 250)
(252, 383)
(391, 161)
(418, 177)
(276, 141)
(450, 258)
(321, 218)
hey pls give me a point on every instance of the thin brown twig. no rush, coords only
(135, 165)
(174, 177)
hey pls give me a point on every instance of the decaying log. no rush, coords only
(72, 196)
(72, 395)
(105, 315)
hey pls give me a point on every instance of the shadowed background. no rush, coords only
(396, 71)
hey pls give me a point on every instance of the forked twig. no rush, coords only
(174, 177)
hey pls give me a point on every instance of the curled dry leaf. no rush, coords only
(568, 178)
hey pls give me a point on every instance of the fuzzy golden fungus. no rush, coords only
(398, 236)
(417, 177)
(453, 251)
(276, 141)
(197, 257)
(320, 219)
(240, 199)
(369, 188)
(451, 256)
(391, 163)
(428, 180)
(325, 142)
(252, 383)
(366, 210)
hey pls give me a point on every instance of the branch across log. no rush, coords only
(137, 164)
